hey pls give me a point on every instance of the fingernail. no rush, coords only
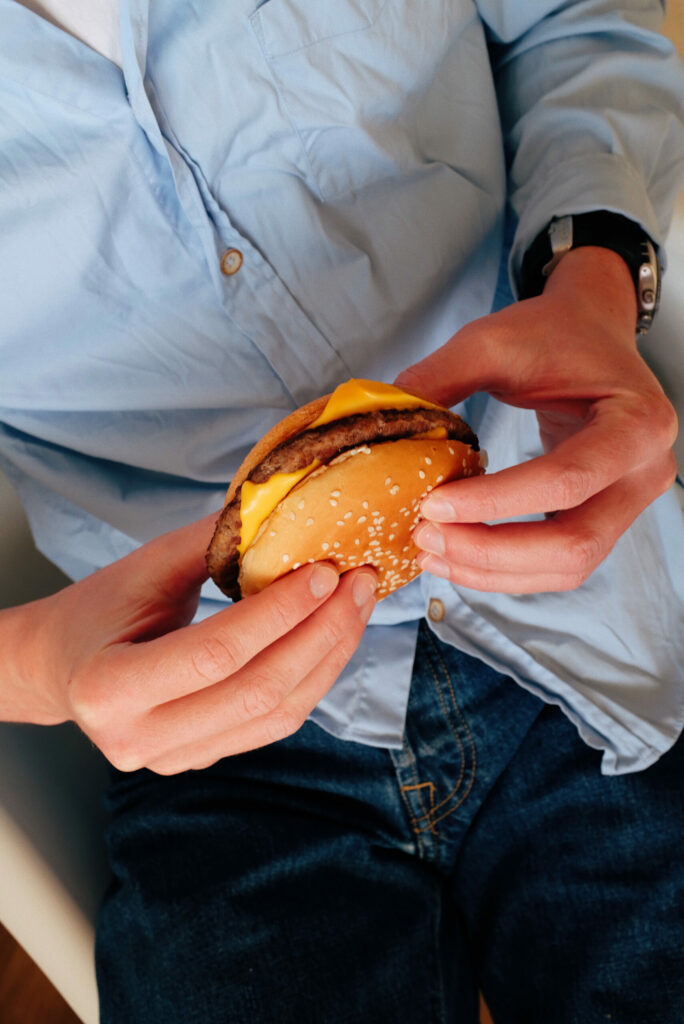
(435, 507)
(364, 586)
(430, 538)
(432, 563)
(323, 580)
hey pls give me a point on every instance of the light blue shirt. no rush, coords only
(350, 152)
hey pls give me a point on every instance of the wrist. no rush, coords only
(596, 279)
(28, 681)
(598, 229)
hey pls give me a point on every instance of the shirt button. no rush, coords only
(435, 610)
(231, 261)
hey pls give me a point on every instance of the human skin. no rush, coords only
(606, 426)
(118, 654)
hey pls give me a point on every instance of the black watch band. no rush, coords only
(601, 228)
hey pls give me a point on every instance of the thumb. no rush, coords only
(173, 564)
(454, 371)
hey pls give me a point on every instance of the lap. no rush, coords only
(323, 881)
(242, 900)
(582, 903)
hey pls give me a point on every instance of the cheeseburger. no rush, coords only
(339, 480)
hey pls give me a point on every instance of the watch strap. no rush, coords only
(601, 228)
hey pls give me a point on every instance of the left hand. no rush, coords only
(606, 426)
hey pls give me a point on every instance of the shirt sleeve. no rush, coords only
(590, 97)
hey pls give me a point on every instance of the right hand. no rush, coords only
(117, 654)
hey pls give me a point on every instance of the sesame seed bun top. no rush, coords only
(359, 509)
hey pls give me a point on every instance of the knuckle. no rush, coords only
(333, 628)
(584, 549)
(573, 484)
(660, 420)
(261, 697)
(123, 754)
(282, 613)
(283, 722)
(216, 658)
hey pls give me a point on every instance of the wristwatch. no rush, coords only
(605, 229)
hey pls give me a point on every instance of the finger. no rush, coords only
(275, 671)
(259, 732)
(615, 442)
(556, 554)
(472, 351)
(207, 652)
(272, 696)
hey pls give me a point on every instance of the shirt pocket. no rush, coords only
(362, 82)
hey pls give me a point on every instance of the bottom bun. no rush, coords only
(359, 509)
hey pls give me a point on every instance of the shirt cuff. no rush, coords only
(601, 182)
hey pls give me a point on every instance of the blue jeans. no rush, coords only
(323, 882)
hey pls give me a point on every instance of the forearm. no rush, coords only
(590, 101)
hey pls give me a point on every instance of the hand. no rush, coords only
(116, 654)
(607, 430)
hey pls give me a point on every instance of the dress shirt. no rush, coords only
(267, 198)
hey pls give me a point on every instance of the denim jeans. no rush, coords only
(322, 882)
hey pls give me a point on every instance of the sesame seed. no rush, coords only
(364, 504)
(333, 503)
(347, 515)
(325, 545)
(286, 558)
(296, 565)
(335, 494)
(394, 490)
(421, 474)
(428, 460)
(309, 522)
(391, 536)
(340, 522)
(300, 504)
(388, 481)
(440, 478)
(362, 519)
(336, 544)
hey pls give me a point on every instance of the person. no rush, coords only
(323, 810)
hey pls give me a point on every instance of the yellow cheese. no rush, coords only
(354, 396)
(257, 501)
(358, 395)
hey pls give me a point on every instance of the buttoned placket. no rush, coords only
(252, 295)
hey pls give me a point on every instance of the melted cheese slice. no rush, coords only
(358, 395)
(354, 396)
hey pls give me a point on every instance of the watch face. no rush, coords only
(648, 287)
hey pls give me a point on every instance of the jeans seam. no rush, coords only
(416, 787)
(430, 820)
